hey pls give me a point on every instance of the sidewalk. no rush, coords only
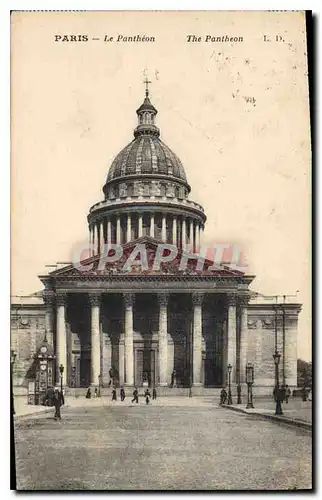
(295, 412)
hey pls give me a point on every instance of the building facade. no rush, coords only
(142, 302)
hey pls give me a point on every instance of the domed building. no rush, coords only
(146, 193)
(146, 308)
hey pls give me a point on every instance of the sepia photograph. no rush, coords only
(161, 330)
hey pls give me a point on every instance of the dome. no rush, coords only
(146, 154)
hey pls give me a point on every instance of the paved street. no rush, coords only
(161, 446)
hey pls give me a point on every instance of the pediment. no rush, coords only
(141, 257)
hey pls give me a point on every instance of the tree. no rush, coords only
(304, 374)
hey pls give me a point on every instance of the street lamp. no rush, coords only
(249, 382)
(278, 409)
(229, 401)
(12, 362)
(61, 371)
(99, 385)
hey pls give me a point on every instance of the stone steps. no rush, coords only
(161, 391)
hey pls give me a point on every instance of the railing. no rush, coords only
(155, 199)
(273, 299)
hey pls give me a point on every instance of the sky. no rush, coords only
(236, 114)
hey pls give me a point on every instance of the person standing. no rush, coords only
(88, 393)
(147, 396)
(58, 403)
(114, 398)
(135, 396)
(287, 393)
(122, 394)
(111, 374)
(223, 396)
(154, 393)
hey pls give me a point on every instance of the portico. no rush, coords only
(137, 326)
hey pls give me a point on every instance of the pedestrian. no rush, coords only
(114, 398)
(122, 394)
(95, 392)
(223, 396)
(283, 393)
(111, 374)
(287, 393)
(88, 393)
(154, 393)
(147, 396)
(135, 396)
(57, 403)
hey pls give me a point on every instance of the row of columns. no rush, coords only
(189, 234)
(197, 298)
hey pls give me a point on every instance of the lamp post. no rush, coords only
(249, 382)
(278, 409)
(239, 401)
(12, 362)
(99, 385)
(229, 401)
(61, 371)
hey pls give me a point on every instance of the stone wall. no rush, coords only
(27, 334)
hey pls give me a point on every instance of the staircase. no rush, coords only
(161, 391)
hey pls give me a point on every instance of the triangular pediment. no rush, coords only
(145, 256)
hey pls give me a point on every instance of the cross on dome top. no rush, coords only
(146, 81)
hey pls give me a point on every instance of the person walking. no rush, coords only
(111, 375)
(135, 396)
(58, 403)
(114, 398)
(154, 393)
(223, 396)
(287, 393)
(88, 393)
(147, 396)
(122, 394)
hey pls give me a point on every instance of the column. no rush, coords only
(191, 236)
(291, 333)
(164, 229)
(49, 317)
(93, 240)
(101, 237)
(197, 239)
(97, 246)
(121, 361)
(128, 228)
(163, 339)
(118, 230)
(128, 338)
(152, 226)
(94, 300)
(140, 228)
(183, 234)
(243, 301)
(197, 338)
(89, 241)
(61, 341)
(231, 336)
(109, 231)
(174, 231)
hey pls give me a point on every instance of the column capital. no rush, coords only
(197, 298)
(61, 298)
(243, 300)
(163, 299)
(128, 299)
(232, 299)
(94, 299)
(49, 298)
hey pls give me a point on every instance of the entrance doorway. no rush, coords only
(144, 370)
